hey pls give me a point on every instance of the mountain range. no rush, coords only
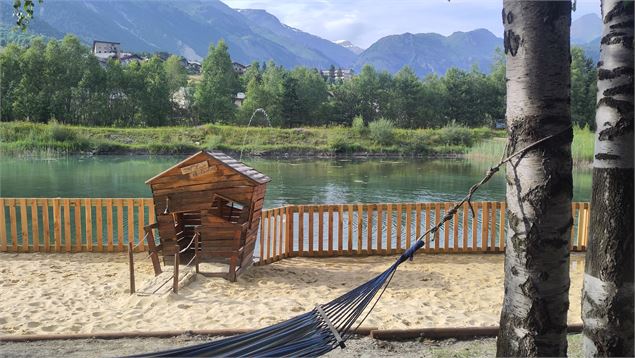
(188, 27)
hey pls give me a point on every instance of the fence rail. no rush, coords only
(108, 224)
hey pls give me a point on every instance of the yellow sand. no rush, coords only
(82, 293)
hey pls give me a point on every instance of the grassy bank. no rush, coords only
(22, 138)
(582, 148)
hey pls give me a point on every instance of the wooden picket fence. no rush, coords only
(73, 224)
(353, 229)
(108, 224)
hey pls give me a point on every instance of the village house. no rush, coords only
(239, 68)
(339, 74)
(106, 50)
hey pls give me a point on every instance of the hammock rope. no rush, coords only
(327, 326)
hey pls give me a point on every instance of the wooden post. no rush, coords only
(46, 229)
(67, 225)
(261, 236)
(465, 218)
(78, 225)
(501, 239)
(274, 252)
(154, 256)
(349, 245)
(446, 230)
(360, 226)
(175, 282)
(267, 240)
(399, 219)
(369, 229)
(330, 231)
(141, 221)
(408, 226)
(437, 220)
(3, 228)
(57, 228)
(572, 238)
(493, 224)
(380, 234)
(455, 232)
(99, 224)
(485, 227)
(300, 229)
(131, 266)
(24, 221)
(340, 227)
(88, 211)
(288, 232)
(35, 226)
(311, 230)
(427, 248)
(320, 230)
(388, 229)
(120, 235)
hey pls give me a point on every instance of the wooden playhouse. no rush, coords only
(217, 197)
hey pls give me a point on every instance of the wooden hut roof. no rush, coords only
(224, 159)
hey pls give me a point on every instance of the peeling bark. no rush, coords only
(539, 184)
(607, 295)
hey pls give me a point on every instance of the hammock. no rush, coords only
(314, 333)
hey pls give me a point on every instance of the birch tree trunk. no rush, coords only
(607, 295)
(539, 184)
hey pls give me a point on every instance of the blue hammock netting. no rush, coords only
(314, 333)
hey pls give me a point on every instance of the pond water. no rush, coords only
(294, 181)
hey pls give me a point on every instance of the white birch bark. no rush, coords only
(539, 184)
(607, 295)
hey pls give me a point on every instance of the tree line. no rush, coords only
(62, 80)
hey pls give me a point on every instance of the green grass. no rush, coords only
(581, 149)
(30, 138)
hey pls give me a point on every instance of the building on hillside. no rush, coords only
(106, 48)
(128, 58)
(339, 74)
(193, 67)
(239, 68)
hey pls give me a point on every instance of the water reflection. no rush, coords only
(296, 181)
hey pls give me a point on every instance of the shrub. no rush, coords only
(338, 143)
(382, 131)
(453, 134)
(359, 127)
(417, 145)
(60, 133)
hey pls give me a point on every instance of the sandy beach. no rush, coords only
(89, 293)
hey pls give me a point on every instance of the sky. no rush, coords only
(365, 21)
